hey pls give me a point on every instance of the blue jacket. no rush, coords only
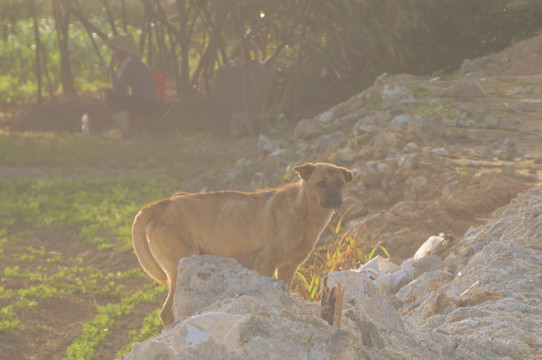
(135, 74)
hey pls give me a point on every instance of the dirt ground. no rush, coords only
(514, 87)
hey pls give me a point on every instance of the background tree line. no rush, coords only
(316, 51)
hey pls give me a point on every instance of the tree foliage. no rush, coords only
(317, 50)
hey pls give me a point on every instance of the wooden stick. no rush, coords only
(338, 308)
(332, 304)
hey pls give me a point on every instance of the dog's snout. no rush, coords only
(333, 202)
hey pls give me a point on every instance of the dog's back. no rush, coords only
(226, 223)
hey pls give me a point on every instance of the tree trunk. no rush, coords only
(124, 21)
(245, 60)
(62, 26)
(209, 50)
(170, 56)
(110, 17)
(87, 24)
(91, 30)
(184, 43)
(38, 51)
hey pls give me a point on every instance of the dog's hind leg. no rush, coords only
(166, 314)
(169, 249)
(286, 273)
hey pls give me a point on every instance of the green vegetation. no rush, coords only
(85, 191)
(418, 91)
(342, 253)
(321, 53)
(358, 141)
(9, 321)
(374, 100)
(80, 198)
(434, 108)
(150, 326)
(79, 205)
(97, 330)
(79, 151)
(18, 82)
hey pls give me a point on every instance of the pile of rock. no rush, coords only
(522, 58)
(230, 312)
(394, 136)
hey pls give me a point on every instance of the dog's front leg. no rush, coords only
(264, 264)
(286, 273)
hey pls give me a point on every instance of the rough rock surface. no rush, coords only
(492, 309)
(522, 58)
(429, 155)
(485, 305)
(230, 312)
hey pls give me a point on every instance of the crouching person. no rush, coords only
(133, 95)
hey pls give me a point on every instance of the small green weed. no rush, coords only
(374, 100)
(419, 91)
(340, 254)
(358, 141)
(96, 331)
(432, 108)
(151, 326)
(9, 320)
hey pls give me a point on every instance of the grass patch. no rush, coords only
(97, 331)
(76, 151)
(89, 207)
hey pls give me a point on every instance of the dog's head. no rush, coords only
(326, 181)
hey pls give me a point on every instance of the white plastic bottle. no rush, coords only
(85, 126)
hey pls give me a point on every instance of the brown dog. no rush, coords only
(266, 230)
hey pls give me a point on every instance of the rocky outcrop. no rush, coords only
(521, 58)
(229, 312)
(404, 138)
(492, 308)
(485, 304)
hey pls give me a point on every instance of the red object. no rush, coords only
(160, 82)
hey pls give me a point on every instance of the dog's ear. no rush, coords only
(305, 171)
(347, 174)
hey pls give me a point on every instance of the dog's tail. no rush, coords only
(140, 242)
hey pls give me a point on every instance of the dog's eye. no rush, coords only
(321, 183)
